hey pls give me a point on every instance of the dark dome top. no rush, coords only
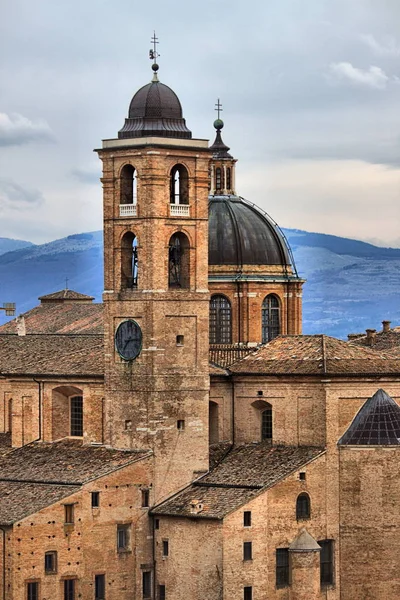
(240, 234)
(155, 110)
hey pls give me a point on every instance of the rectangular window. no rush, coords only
(69, 513)
(247, 518)
(99, 587)
(326, 562)
(33, 590)
(145, 498)
(302, 476)
(161, 592)
(123, 537)
(165, 548)
(76, 416)
(180, 424)
(248, 593)
(50, 562)
(69, 589)
(247, 551)
(95, 499)
(282, 567)
(146, 584)
(157, 524)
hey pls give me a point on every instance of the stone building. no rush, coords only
(183, 439)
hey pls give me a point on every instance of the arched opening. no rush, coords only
(67, 412)
(219, 184)
(128, 188)
(179, 185)
(303, 507)
(266, 423)
(220, 320)
(270, 318)
(213, 422)
(129, 261)
(228, 179)
(179, 261)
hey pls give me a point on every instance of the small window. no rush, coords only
(146, 584)
(282, 567)
(69, 514)
(99, 587)
(95, 499)
(303, 509)
(266, 423)
(76, 416)
(326, 562)
(180, 424)
(128, 425)
(157, 524)
(270, 318)
(248, 593)
(247, 518)
(247, 551)
(165, 548)
(161, 592)
(180, 340)
(69, 589)
(302, 476)
(33, 590)
(50, 562)
(260, 393)
(123, 538)
(145, 498)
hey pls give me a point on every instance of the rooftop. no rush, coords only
(65, 296)
(241, 475)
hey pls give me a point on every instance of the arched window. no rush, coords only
(220, 320)
(128, 185)
(270, 318)
(129, 261)
(213, 422)
(266, 423)
(228, 179)
(303, 508)
(76, 416)
(179, 185)
(218, 179)
(178, 261)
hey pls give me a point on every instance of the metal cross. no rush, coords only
(153, 54)
(219, 108)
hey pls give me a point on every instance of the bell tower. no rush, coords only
(156, 300)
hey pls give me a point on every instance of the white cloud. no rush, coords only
(390, 47)
(14, 196)
(16, 130)
(374, 77)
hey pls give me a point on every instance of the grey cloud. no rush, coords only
(16, 130)
(14, 196)
(88, 176)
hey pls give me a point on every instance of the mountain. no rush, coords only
(351, 285)
(8, 244)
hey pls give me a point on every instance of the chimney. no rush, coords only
(371, 335)
(20, 325)
(385, 326)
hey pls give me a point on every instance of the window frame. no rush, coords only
(146, 584)
(95, 499)
(76, 423)
(303, 507)
(125, 529)
(33, 590)
(267, 423)
(247, 518)
(162, 592)
(270, 318)
(220, 319)
(330, 545)
(53, 569)
(165, 548)
(248, 592)
(69, 594)
(282, 571)
(97, 578)
(69, 511)
(247, 551)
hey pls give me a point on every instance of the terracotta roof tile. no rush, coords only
(60, 318)
(65, 295)
(383, 340)
(224, 355)
(242, 474)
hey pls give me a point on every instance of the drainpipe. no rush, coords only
(4, 563)
(40, 383)
(154, 555)
(233, 410)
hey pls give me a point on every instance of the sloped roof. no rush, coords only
(315, 355)
(66, 295)
(241, 475)
(376, 423)
(39, 474)
(60, 318)
(52, 355)
(304, 542)
(383, 340)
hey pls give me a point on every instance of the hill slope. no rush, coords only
(350, 285)
(8, 245)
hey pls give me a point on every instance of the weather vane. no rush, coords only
(219, 108)
(153, 54)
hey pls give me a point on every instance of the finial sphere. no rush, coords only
(218, 124)
(155, 67)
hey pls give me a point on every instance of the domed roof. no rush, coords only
(155, 110)
(240, 234)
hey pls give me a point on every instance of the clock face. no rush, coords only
(128, 340)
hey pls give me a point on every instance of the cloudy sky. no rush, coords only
(310, 89)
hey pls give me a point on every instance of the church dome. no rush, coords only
(240, 234)
(155, 110)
